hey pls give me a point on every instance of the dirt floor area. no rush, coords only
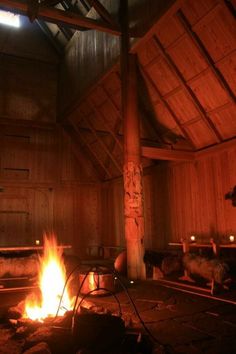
(179, 322)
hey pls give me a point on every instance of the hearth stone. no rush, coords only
(40, 348)
(98, 333)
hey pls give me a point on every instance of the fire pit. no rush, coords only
(56, 322)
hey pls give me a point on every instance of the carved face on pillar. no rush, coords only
(133, 189)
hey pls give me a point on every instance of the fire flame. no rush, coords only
(52, 277)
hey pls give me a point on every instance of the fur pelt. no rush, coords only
(19, 266)
(168, 263)
(210, 269)
(171, 264)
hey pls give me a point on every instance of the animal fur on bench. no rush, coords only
(214, 270)
(19, 266)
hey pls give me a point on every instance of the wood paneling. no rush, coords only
(180, 199)
(169, 31)
(207, 83)
(217, 31)
(200, 134)
(113, 213)
(28, 41)
(228, 68)
(187, 57)
(195, 10)
(162, 76)
(43, 183)
(26, 93)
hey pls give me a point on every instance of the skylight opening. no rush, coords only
(9, 19)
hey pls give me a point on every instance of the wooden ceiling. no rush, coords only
(187, 84)
(187, 88)
(60, 19)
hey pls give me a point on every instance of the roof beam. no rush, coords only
(103, 145)
(187, 89)
(216, 149)
(197, 41)
(165, 154)
(49, 36)
(149, 81)
(180, 155)
(60, 17)
(92, 152)
(102, 11)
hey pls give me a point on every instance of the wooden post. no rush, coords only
(132, 172)
(133, 191)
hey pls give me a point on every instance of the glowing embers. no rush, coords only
(9, 19)
(52, 277)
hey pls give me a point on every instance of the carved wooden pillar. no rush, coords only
(133, 190)
(132, 172)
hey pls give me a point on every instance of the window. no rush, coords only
(9, 19)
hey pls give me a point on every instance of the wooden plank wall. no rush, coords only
(180, 199)
(44, 188)
(26, 93)
(44, 185)
(113, 213)
(90, 54)
(196, 194)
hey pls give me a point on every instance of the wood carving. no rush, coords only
(133, 190)
(134, 220)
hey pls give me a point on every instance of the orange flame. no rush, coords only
(52, 277)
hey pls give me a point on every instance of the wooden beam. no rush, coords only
(60, 17)
(197, 41)
(188, 90)
(105, 122)
(132, 169)
(180, 155)
(165, 154)
(42, 25)
(27, 123)
(70, 133)
(230, 144)
(93, 153)
(102, 11)
(103, 145)
(50, 3)
(167, 106)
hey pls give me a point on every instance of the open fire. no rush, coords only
(52, 277)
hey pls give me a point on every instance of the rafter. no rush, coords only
(197, 41)
(105, 122)
(92, 152)
(104, 147)
(215, 149)
(167, 106)
(60, 17)
(165, 154)
(187, 89)
(102, 11)
(182, 155)
(49, 36)
(50, 2)
(70, 132)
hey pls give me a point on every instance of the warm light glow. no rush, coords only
(37, 242)
(9, 19)
(192, 238)
(231, 238)
(52, 277)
